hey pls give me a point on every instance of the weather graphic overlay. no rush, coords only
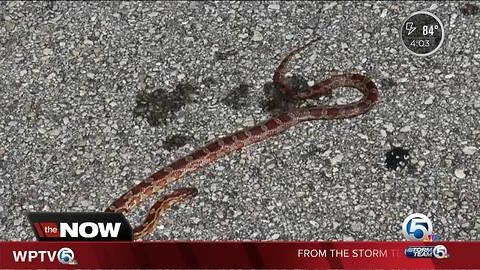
(422, 33)
(437, 252)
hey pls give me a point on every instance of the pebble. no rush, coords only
(274, 6)
(181, 76)
(389, 127)
(55, 132)
(249, 121)
(476, 104)
(469, 150)
(356, 227)
(257, 36)
(237, 213)
(47, 51)
(362, 136)
(384, 13)
(359, 207)
(453, 18)
(17, 221)
(9, 25)
(85, 203)
(196, 220)
(335, 225)
(314, 223)
(275, 236)
(460, 173)
(300, 194)
(406, 129)
(336, 159)
(329, 5)
(429, 100)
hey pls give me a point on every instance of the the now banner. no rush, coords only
(237, 254)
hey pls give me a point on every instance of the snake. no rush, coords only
(236, 141)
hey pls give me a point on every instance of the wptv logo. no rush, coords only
(80, 226)
(64, 256)
(418, 227)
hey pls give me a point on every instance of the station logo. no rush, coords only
(418, 227)
(64, 256)
(80, 226)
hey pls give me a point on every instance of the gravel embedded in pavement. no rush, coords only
(98, 95)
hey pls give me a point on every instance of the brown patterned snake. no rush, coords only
(236, 141)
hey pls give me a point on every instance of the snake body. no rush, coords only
(236, 141)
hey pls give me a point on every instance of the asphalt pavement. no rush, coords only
(95, 96)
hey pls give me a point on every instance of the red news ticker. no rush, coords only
(234, 254)
(47, 229)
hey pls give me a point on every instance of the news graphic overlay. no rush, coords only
(64, 255)
(437, 252)
(239, 255)
(422, 33)
(440, 252)
(82, 226)
(417, 227)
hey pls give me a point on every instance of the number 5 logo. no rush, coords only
(417, 227)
